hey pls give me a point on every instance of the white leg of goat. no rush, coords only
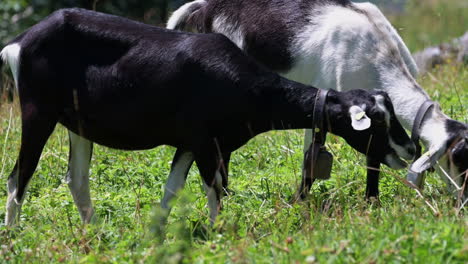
(13, 207)
(78, 174)
(213, 194)
(180, 167)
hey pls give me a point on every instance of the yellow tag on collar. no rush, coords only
(360, 115)
(427, 153)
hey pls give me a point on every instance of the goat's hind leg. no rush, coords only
(77, 179)
(36, 129)
(224, 170)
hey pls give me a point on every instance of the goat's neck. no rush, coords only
(407, 97)
(287, 104)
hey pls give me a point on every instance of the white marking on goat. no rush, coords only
(380, 103)
(176, 179)
(10, 54)
(221, 25)
(433, 130)
(78, 175)
(402, 151)
(181, 14)
(13, 206)
(329, 51)
(376, 15)
(213, 201)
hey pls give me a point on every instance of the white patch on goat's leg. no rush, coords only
(13, 206)
(380, 103)
(78, 175)
(213, 194)
(176, 179)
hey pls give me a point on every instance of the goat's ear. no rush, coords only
(359, 119)
(427, 160)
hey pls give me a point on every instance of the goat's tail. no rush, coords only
(179, 20)
(11, 55)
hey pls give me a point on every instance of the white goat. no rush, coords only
(340, 45)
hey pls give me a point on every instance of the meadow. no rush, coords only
(258, 223)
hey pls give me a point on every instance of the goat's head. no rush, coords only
(451, 156)
(367, 121)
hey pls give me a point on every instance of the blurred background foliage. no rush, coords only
(18, 15)
(425, 23)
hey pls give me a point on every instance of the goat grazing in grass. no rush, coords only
(340, 45)
(132, 86)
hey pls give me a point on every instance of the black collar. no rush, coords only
(416, 132)
(319, 131)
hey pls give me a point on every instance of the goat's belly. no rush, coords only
(130, 141)
(126, 136)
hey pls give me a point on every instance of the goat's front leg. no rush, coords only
(373, 171)
(307, 177)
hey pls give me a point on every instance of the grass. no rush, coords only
(431, 22)
(257, 225)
